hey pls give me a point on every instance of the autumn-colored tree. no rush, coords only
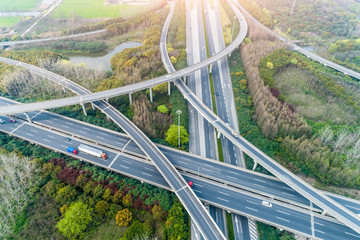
(172, 135)
(117, 197)
(123, 217)
(157, 212)
(63, 209)
(65, 195)
(81, 181)
(128, 201)
(107, 195)
(75, 221)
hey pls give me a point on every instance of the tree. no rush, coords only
(107, 195)
(77, 218)
(172, 135)
(128, 201)
(136, 231)
(101, 208)
(123, 217)
(162, 109)
(81, 181)
(117, 197)
(269, 65)
(157, 212)
(175, 224)
(65, 195)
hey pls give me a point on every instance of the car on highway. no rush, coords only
(266, 204)
(217, 94)
(12, 120)
(191, 184)
(2, 121)
(235, 134)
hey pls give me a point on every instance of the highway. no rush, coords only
(342, 214)
(225, 106)
(212, 192)
(196, 210)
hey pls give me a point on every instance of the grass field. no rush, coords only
(96, 9)
(17, 5)
(9, 21)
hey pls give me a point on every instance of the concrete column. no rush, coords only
(255, 165)
(130, 98)
(151, 95)
(83, 107)
(93, 106)
(64, 90)
(219, 134)
(210, 68)
(229, 54)
(107, 99)
(169, 88)
(28, 117)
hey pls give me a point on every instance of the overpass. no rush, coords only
(215, 183)
(342, 214)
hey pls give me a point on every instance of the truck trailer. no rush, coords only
(92, 151)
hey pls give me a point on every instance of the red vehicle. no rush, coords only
(191, 184)
(12, 120)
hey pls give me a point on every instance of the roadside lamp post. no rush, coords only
(179, 113)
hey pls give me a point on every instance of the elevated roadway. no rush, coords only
(214, 192)
(330, 206)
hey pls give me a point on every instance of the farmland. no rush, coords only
(17, 5)
(97, 9)
(9, 21)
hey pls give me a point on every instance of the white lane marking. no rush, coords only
(197, 191)
(352, 207)
(289, 194)
(150, 169)
(252, 209)
(199, 185)
(33, 130)
(100, 137)
(46, 140)
(118, 142)
(65, 126)
(70, 123)
(232, 177)
(319, 224)
(29, 134)
(50, 136)
(183, 162)
(233, 172)
(36, 114)
(146, 174)
(123, 166)
(224, 193)
(290, 189)
(259, 180)
(102, 133)
(17, 127)
(258, 185)
(114, 160)
(352, 234)
(252, 202)
(63, 146)
(319, 231)
(206, 170)
(86, 128)
(82, 131)
(283, 212)
(125, 145)
(283, 219)
(127, 162)
(222, 199)
(48, 121)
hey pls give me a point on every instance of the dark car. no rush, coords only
(12, 120)
(217, 94)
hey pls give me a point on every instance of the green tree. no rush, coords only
(157, 212)
(123, 217)
(136, 231)
(101, 208)
(117, 197)
(162, 109)
(175, 225)
(77, 218)
(65, 195)
(269, 65)
(81, 181)
(128, 201)
(172, 135)
(107, 195)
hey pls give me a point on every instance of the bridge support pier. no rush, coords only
(255, 165)
(64, 90)
(169, 88)
(218, 134)
(130, 98)
(210, 68)
(107, 99)
(28, 117)
(84, 110)
(93, 106)
(151, 95)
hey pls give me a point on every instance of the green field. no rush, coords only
(9, 21)
(96, 9)
(17, 5)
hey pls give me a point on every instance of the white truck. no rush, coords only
(92, 151)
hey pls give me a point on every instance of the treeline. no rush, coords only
(280, 121)
(261, 14)
(31, 57)
(92, 47)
